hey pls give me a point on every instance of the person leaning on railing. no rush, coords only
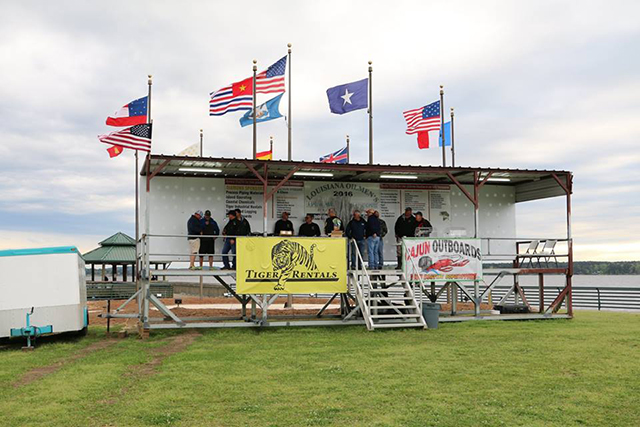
(356, 230)
(194, 228)
(309, 228)
(383, 232)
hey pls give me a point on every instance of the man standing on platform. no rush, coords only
(309, 228)
(229, 242)
(332, 223)
(405, 227)
(383, 232)
(423, 226)
(356, 230)
(207, 245)
(194, 229)
(373, 231)
(283, 224)
(244, 228)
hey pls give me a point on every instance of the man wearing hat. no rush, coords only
(194, 228)
(309, 228)
(207, 245)
(405, 227)
(283, 224)
(231, 229)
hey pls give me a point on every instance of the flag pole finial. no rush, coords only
(255, 68)
(451, 111)
(150, 77)
(289, 47)
(441, 90)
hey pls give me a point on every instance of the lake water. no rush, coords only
(578, 280)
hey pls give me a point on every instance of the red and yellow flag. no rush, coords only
(265, 155)
(115, 151)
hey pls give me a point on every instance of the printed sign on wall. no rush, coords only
(455, 260)
(290, 265)
(344, 197)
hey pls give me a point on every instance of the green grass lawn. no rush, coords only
(584, 371)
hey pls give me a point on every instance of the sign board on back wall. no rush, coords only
(437, 260)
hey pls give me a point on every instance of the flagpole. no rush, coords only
(348, 151)
(453, 149)
(271, 146)
(289, 115)
(201, 142)
(444, 156)
(255, 128)
(370, 114)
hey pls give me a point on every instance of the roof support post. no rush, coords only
(265, 189)
(476, 191)
(569, 187)
(156, 171)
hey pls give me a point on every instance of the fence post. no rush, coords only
(598, 290)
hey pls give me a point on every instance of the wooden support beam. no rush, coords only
(555, 305)
(255, 172)
(485, 179)
(541, 292)
(282, 182)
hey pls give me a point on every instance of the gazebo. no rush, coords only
(117, 250)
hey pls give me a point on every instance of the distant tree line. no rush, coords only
(595, 267)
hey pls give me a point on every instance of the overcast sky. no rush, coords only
(542, 84)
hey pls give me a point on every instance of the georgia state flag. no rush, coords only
(134, 113)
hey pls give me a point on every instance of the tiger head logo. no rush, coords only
(286, 256)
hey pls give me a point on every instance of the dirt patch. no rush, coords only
(174, 345)
(42, 371)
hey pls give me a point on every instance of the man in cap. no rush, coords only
(207, 245)
(194, 229)
(309, 228)
(283, 224)
(229, 242)
(405, 227)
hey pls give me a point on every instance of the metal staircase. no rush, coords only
(385, 298)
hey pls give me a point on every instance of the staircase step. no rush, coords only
(391, 307)
(390, 299)
(397, 325)
(395, 316)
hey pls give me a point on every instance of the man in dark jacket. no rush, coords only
(356, 230)
(244, 228)
(383, 232)
(283, 224)
(194, 229)
(309, 228)
(229, 242)
(423, 226)
(332, 223)
(373, 232)
(405, 227)
(207, 244)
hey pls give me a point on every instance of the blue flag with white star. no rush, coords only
(267, 111)
(348, 97)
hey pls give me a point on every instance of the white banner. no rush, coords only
(454, 260)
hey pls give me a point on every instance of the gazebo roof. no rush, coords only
(117, 249)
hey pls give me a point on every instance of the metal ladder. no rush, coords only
(385, 298)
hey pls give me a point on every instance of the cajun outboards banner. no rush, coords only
(290, 265)
(455, 260)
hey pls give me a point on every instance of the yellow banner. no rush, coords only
(290, 265)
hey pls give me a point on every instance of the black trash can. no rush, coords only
(431, 314)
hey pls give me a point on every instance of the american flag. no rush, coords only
(239, 96)
(340, 156)
(136, 137)
(423, 119)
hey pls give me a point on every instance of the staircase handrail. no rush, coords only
(408, 278)
(359, 267)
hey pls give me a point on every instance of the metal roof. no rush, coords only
(111, 255)
(116, 249)
(530, 184)
(118, 239)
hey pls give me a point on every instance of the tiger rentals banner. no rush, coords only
(290, 265)
(432, 259)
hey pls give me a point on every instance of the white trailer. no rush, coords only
(52, 282)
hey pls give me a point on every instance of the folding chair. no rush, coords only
(549, 251)
(531, 250)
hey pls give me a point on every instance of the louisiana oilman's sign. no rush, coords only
(433, 259)
(286, 265)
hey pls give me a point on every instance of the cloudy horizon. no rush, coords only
(544, 85)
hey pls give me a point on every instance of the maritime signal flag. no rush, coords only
(134, 113)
